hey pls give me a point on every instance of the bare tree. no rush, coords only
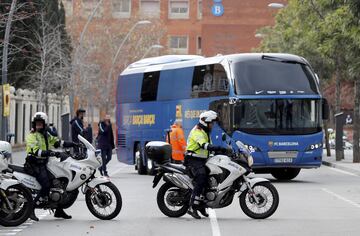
(53, 71)
(98, 88)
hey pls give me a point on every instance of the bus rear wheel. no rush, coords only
(140, 167)
(285, 173)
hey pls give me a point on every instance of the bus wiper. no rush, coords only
(270, 58)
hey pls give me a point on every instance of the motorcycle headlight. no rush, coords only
(250, 160)
(314, 146)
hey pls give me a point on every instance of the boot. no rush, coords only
(204, 212)
(193, 213)
(60, 213)
(33, 216)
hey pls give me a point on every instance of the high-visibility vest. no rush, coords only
(197, 139)
(35, 142)
(178, 143)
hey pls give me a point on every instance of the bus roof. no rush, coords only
(181, 61)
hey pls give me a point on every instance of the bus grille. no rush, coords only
(121, 140)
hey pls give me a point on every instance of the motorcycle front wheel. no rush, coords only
(104, 201)
(173, 201)
(16, 206)
(262, 203)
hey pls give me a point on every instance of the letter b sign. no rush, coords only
(217, 9)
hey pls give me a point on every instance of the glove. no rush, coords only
(70, 144)
(47, 153)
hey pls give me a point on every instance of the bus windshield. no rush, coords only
(278, 116)
(269, 77)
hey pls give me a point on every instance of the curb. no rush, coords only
(340, 167)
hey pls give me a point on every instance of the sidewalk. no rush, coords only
(345, 164)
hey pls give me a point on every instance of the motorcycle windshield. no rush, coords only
(242, 147)
(86, 143)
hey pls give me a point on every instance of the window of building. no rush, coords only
(149, 86)
(200, 9)
(198, 44)
(179, 9)
(209, 81)
(179, 44)
(88, 7)
(150, 8)
(121, 8)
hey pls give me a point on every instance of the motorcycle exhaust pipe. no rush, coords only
(177, 179)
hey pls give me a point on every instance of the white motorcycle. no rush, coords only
(102, 197)
(227, 175)
(16, 202)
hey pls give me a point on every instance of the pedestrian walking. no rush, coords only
(77, 127)
(105, 143)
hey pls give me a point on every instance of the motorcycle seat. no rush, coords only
(16, 168)
(179, 167)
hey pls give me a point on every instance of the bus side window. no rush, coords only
(209, 81)
(149, 86)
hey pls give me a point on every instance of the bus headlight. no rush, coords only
(314, 146)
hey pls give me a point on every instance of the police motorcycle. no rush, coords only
(227, 175)
(70, 174)
(16, 202)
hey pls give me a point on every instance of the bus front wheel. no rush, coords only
(140, 167)
(285, 173)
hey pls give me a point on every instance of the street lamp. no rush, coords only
(142, 22)
(75, 60)
(276, 5)
(157, 46)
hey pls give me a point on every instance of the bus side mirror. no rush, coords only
(325, 109)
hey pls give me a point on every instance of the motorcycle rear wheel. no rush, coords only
(165, 201)
(107, 193)
(267, 196)
(20, 198)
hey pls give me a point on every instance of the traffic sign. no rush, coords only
(217, 9)
(6, 96)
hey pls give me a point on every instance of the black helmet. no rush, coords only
(80, 110)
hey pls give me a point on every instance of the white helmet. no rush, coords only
(40, 116)
(207, 117)
(5, 154)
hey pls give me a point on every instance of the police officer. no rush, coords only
(38, 148)
(77, 127)
(197, 151)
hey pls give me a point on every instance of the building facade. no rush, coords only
(202, 27)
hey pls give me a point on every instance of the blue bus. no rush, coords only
(271, 102)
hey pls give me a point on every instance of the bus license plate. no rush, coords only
(283, 160)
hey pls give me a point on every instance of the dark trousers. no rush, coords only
(42, 176)
(197, 168)
(106, 154)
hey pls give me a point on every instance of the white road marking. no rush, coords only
(214, 224)
(341, 171)
(341, 198)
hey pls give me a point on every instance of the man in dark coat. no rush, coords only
(77, 127)
(105, 143)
